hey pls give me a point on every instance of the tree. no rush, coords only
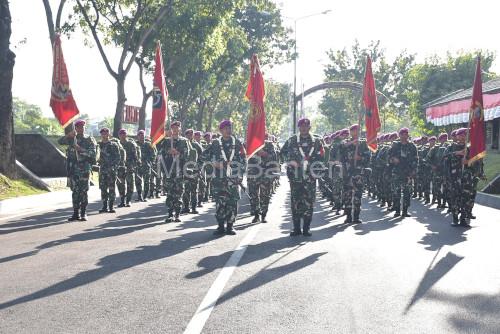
(28, 118)
(7, 60)
(105, 20)
(341, 108)
(437, 77)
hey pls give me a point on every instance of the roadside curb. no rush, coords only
(491, 201)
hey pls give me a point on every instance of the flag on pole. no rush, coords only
(256, 130)
(476, 137)
(370, 104)
(61, 99)
(160, 97)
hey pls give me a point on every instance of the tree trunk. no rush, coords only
(201, 112)
(7, 60)
(142, 111)
(120, 104)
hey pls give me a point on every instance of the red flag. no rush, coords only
(160, 96)
(256, 131)
(61, 99)
(370, 104)
(477, 149)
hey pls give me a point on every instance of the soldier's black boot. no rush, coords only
(220, 228)
(122, 203)
(157, 194)
(405, 212)
(348, 218)
(83, 214)
(397, 212)
(177, 219)
(111, 206)
(139, 196)
(463, 220)
(356, 219)
(296, 227)
(104, 207)
(193, 209)
(306, 227)
(127, 201)
(75, 216)
(427, 199)
(229, 229)
(382, 204)
(455, 220)
(263, 217)
(255, 218)
(185, 210)
(170, 216)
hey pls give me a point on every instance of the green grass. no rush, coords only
(14, 188)
(491, 168)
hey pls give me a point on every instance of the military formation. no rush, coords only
(198, 167)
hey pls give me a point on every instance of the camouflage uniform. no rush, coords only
(226, 180)
(260, 181)
(336, 171)
(435, 158)
(148, 157)
(132, 160)
(302, 180)
(173, 174)
(402, 174)
(424, 174)
(191, 179)
(109, 160)
(202, 179)
(208, 171)
(353, 176)
(78, 167)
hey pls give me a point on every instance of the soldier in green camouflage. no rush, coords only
(208, 168)
(109, 160)
(174, 152)
(148, 156)
(435, 158)
(227, 155)
(192, 173)
(81, 154)
(302, 153)
(336, 168)
(355, 156)
(132, 161)
(403, 156)
(262, 167)
(202, 178)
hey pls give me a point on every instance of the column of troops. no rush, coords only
(190, 168)
(434, 170)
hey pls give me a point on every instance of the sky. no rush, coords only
(423, 27)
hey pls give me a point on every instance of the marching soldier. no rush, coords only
(132, 159)
(208, 168)
(191, 177)
(148, 157)
(202, 178)
(427, 171)
(354, 157)
(81, 154)
(175, 151)
(261, 167)
(435, 158)
(109, 160)
(336, 168)
(404, 158)
(301, 152)
(228, 157)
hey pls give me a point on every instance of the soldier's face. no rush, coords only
(105, 136)
(189, 136)
(226, 131)
(80, 129)
(197, 138)
(403, 136)
(304, 129)
(461, 138)
(141, 137)
(175, 130)
(432, 143)
(122, 137)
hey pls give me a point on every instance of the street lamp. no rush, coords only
(295, 63)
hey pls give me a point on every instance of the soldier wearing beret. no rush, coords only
(109, 160)
(355, 156)
(194, 163)
(148, 157)
(336, 168)
(132, 161)
(435, 158)
(228, 157)
(403, 156)
(302, 152)
(81, 155)
(175, 151)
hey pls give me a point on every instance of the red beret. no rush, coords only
(354, 127)
(461, 132)
(104, 130)
(122, 132)
(80, 122)
(175, 123)
(188, 131)
(224, 123)
(141, 132)
(304, 121)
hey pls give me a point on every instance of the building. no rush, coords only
(454, 109)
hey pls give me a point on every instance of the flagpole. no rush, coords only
(471, 111)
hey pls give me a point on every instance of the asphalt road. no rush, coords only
(130, 272)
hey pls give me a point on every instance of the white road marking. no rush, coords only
(203, 312)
